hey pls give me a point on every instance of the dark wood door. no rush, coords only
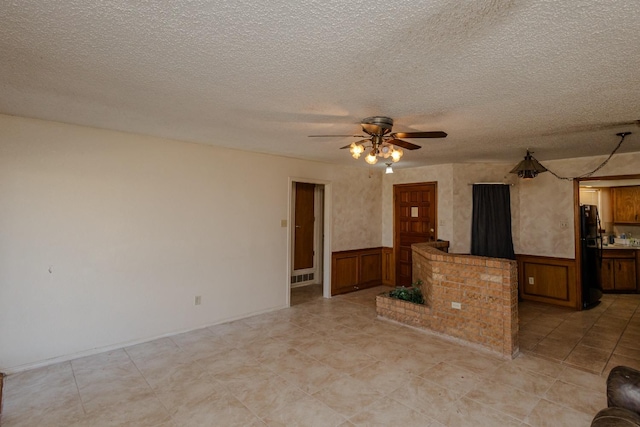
(414, 207)
(304, 223)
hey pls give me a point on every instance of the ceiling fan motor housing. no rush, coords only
(377, 125)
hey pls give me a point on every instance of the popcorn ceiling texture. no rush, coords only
(499, 76)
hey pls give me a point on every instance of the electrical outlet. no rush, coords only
(531, 281)
(564, 224)
(456, 305)
(198, 300)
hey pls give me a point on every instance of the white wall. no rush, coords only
(107, 237)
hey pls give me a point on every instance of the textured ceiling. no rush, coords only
(498, 76)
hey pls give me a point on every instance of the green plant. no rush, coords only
(412, 294)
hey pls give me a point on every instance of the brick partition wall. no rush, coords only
(486, 288)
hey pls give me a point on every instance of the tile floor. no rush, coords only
(332, 363)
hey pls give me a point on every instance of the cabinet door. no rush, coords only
(625, 274)
(606, 275)
(626, 201)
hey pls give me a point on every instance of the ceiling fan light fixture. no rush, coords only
(396, 154)
(371, 158)
(529, 167)
(355, 150)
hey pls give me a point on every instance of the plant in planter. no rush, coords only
(412, 294)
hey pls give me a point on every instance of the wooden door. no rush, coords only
(304, 223)
(414, 207)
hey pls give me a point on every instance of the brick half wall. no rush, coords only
(486, 288)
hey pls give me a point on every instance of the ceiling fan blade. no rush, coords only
(404, 144)
(337, 136)
(434, 134)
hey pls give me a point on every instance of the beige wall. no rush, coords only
(540, 207)
(454, 198)
(547, 202)
(107, 237)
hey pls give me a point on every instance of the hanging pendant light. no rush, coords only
(389, 168)
(528, 168)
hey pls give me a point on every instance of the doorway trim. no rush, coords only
(326, 234)
(576, 225)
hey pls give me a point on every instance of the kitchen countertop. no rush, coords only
(617, 246)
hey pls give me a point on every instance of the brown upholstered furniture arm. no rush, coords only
(623, 388)
(616, 417)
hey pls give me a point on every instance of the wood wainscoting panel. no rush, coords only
(344, 270)
(388, 267)
(371, 267)
(355, 269)
(547, 279)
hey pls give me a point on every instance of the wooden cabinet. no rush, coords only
(356, 269)
(618, 271)
(626, 204)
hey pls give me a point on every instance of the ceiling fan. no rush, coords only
(381, 140)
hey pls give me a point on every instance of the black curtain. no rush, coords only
(491, 223)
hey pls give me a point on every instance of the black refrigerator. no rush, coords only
(591, 260)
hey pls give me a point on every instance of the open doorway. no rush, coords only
(613, 268)
(308, 246)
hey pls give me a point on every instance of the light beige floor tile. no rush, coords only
(308, 412)
(144, 411)
(538, 365)
(456, 379)
(619, 360)
(411, 361)
(382, 377)
(426, 397)
(348, 396)
(321, 348)
(225, 362)
(265, 395)
(191, 390)
(104, 395)
(386, 413)
(42, 389)
(504, 398)
(630, 352)
(59, 414)
(476, 362)
(550, 414)
(588, 358)
(348, 360)
(218, 409)
(584, 379)
(577, 397)
(557, 349)
(312, 378)
(468, 413)
(529, 381)
(170, 367)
